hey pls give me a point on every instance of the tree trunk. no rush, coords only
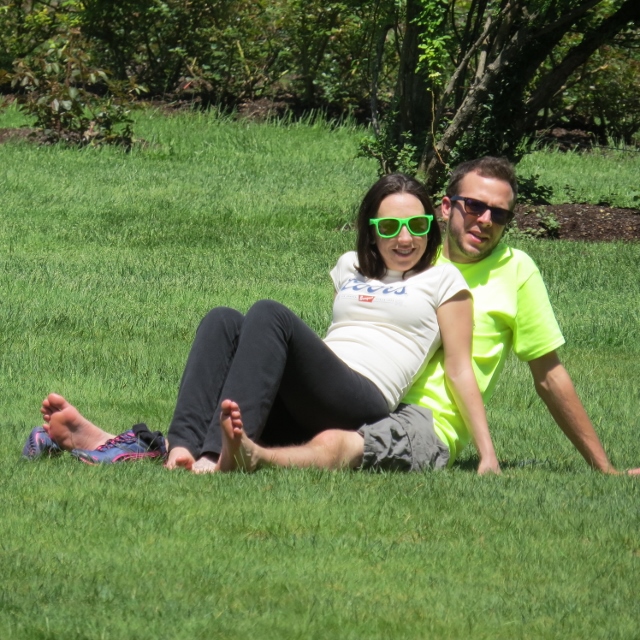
(434, 159)
(413, 101)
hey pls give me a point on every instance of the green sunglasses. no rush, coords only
(391, 227)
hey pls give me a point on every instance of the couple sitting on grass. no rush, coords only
(378, 392)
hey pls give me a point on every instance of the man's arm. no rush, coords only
(556, 389)
(455, 318)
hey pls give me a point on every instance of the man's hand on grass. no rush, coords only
(491, 465)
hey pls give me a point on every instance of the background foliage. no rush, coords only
(440, 81)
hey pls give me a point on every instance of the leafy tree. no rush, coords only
(24, 26)
(323, 48)
(48, 62)
(154, 41)
(602, 95)
(487, 96)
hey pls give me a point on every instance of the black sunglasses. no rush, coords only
(476, 208)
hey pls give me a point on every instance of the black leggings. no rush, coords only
(290, 386)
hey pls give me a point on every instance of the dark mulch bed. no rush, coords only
(564, 221)
(578, 222)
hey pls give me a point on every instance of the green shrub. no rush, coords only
(54, 87)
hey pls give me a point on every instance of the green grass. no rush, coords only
(607, 177)
(134, 552)
(107, 262)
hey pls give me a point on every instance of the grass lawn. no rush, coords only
(604, 176)
(107, 262)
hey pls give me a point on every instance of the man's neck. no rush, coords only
(447, 254)
(445, 248)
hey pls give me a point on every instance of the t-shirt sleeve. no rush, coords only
(335, 277)
(343, 269)
(451, 283)
(536, 331)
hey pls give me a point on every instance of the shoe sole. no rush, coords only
(125, 456)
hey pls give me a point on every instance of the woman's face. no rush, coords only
(403, 252)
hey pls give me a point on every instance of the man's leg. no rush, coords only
(331, 449)
(280, 430)
(68, 428)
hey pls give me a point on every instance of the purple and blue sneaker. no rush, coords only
(39, 444)
(126, 446)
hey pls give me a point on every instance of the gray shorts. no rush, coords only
(403, 441)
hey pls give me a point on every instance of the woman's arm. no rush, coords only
(455, 317)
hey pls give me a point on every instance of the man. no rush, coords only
(511, 311)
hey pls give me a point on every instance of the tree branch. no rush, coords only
(553, 82)
(434, 157)
(490, 28)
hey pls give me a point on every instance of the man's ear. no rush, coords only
(445, 208)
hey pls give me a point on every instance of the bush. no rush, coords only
(58, 85)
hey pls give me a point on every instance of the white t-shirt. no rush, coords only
(387, 329)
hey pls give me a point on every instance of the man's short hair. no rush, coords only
(487, 167)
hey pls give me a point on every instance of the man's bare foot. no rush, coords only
(205, 464)
(179, 457)
(68, 428)
(238, 451)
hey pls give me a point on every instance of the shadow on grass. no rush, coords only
(471, 464)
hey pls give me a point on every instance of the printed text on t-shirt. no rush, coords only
(384, 289)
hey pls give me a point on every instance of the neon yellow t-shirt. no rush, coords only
(511, 311)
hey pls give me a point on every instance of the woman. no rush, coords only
(392, 310)
(291, 385)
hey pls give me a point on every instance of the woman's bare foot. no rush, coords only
(238, 451)
(68, 428)
(205, 464)
(179, 457)
(52, 403)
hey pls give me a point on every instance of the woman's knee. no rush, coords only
(221, 319)
(266, 306)
(266, 311)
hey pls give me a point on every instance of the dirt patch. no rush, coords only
(22, 133)
(263, 110)
(589, 222)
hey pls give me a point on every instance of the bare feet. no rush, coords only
(179, 457)
(68, 428)
(238, 451)
(205, 464)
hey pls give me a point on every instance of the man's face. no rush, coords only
(471, 238)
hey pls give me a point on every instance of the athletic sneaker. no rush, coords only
(39, 444)
(126, 446)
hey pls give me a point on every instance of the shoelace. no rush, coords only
(123, 438)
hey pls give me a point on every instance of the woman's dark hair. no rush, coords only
(371, 264)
